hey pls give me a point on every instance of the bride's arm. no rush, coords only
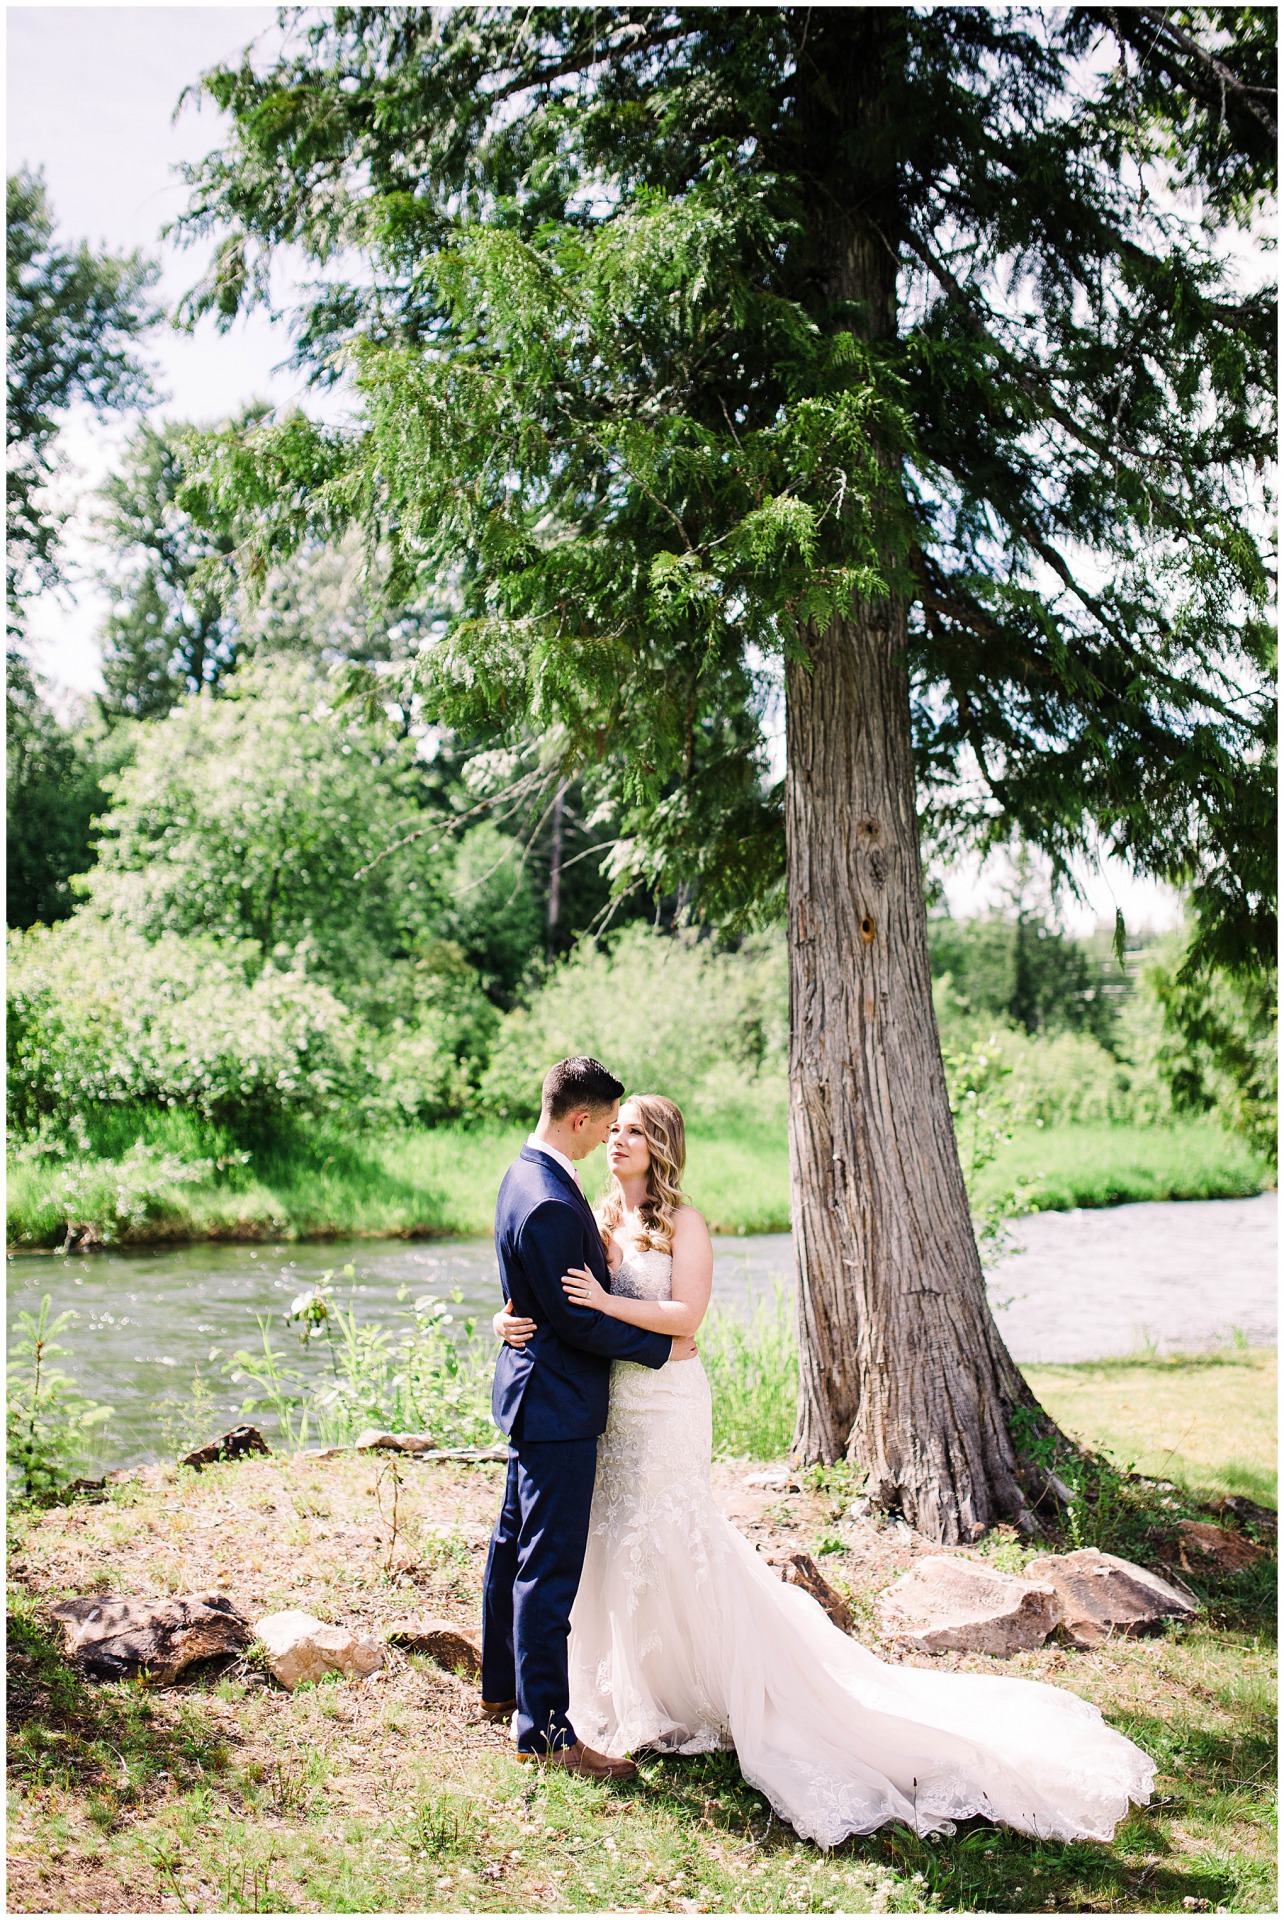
(691, 1284)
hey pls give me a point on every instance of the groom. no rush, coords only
(550, 1398)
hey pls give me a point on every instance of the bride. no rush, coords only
(683, 1638)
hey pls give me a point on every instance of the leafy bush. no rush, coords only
(492, 913)
(671, 1015)
(418, 1378)
(263, 815)
(429, 1065)
(111, 1200)
(1216, 1046)
(99, 1014)
(1063, 1078)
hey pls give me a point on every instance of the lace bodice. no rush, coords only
(644, 1274)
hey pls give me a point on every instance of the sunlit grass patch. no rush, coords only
(1207, 1421)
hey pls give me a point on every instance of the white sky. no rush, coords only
(91, 97)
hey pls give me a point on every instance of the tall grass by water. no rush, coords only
(172, 1177)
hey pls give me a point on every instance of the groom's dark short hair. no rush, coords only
(579, 1082)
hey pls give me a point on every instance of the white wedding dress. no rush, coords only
(682, 1638)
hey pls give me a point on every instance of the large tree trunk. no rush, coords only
(902, 1367)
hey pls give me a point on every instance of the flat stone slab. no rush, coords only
(1103, 1597)
(949, 1604)
(152, 1639)
(300, 1647)
(452, 1646)
(373, 1441)
(1203, 1547)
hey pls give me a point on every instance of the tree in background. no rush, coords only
(870, 350)
(1027, 971)
(262, 816)
(177, 623)
(53, 793)
(170, 630)
(74, 320)
(74, 317)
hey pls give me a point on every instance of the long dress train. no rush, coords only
(682, 1638)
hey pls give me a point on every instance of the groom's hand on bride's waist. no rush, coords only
(683, 1348)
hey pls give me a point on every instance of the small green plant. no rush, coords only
(752, 1364)
(48, 1420)
(270, 1385)
(444, 1824)
(985, 1113)
(186, 1420)
(427, 1377)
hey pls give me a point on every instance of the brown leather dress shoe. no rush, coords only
(498, 1709)
(578, 1758)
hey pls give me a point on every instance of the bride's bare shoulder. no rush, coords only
(689, 1222)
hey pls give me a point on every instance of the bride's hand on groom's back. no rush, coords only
(512, 1328)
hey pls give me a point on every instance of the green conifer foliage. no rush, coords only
(601, 379)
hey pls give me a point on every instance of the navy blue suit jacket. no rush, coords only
(560, 1380)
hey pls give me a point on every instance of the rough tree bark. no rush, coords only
(902, 1367)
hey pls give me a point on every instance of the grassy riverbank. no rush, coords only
(187, 1186)
(392, 1796)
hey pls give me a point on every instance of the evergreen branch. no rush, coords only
(517, 792)
(583, 62)
(1158, 18)
(1023, 377)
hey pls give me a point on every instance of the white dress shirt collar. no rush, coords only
(555, 1153)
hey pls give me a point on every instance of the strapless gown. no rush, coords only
(683, 1639)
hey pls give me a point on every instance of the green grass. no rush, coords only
(1083, 1166)
(1207, 1421)
(444, 1181)
(229, 1795)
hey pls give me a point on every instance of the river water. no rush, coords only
(1082, 1285)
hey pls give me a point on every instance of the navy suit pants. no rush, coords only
(532, 1575)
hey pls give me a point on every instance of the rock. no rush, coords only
(1103, 1597)
(1203, 1547)
(778, 1482)
(449, 1645)
(121, 1639)
(468, 1453)
(93, 1488)
(800, 1570)
(372, 1441)
(1247, 1513)
(300, 1647)
(948, 1604)
(229, 1446)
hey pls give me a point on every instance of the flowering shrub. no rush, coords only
(99, 1014)
(675, 1016)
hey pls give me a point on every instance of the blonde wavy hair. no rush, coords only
(666, 1139)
